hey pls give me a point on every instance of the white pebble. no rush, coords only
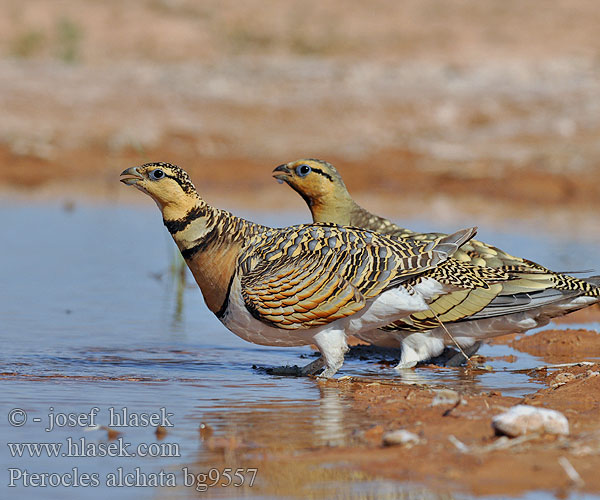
(524, 419)
(445, 397)
(400, 437)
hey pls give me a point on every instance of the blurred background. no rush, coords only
(425, 106)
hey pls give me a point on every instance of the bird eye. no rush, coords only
(157, 174)
(303, 170)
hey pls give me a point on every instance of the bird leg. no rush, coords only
(333, 347)
(418, 347)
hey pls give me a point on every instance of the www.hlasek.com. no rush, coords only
(83, 447)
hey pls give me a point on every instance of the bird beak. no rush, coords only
(132, 176)
(282, 173)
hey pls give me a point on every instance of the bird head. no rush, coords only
(315, 180)
(167, 184)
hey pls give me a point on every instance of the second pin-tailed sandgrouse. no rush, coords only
(529, 299)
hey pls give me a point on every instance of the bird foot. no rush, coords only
(296, 371)
(285, 371)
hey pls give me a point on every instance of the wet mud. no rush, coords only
(456, 451)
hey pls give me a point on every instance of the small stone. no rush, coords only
(524, 419)
(205, 430)
(445, 397)
(160, 432)
(111, 433)
(562, 379)
(400, 437)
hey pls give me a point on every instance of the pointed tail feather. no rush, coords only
(451, 243)
(543, 301)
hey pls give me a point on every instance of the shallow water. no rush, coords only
(92, 316)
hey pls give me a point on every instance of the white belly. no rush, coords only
(389, 307)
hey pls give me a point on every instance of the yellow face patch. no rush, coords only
(313, 179)
(168, 185)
